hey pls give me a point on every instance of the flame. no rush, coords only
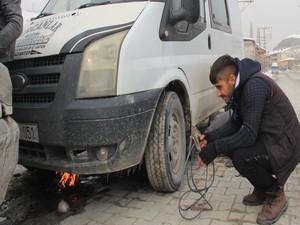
(67, 180)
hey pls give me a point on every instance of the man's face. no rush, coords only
(224, 87)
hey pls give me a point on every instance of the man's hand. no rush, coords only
(201, 163)
(203, 142)
(207, 154)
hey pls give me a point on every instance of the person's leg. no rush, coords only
(5, 91)
(274, 207)
(253, 163)
(9, 147)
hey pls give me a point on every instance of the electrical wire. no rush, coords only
(196, 206)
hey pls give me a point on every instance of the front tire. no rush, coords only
(166, 148)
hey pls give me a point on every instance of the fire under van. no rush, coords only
(106, 86)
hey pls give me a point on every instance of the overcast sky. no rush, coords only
(282, 15)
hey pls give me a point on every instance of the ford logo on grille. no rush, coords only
(18, 81)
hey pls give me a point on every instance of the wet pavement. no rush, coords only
(33, 196)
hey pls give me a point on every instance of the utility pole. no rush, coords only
(251, 30)
(264, 34)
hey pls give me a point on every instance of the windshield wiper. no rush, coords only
(93, 4)
(43, 14)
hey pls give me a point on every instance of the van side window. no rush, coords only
(181, 30)
(219, 15)
(182, 26)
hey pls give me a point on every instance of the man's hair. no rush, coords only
(225, 61)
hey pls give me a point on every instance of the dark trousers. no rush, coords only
(254, 164)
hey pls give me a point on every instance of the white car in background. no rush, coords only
(274, 68)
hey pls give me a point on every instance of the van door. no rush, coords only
(190, 43)
(226, 30)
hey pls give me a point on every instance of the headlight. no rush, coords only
(98, 73)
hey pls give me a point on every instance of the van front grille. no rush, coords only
(44, 79)
(36, 62)
(42, 76)
(33, 98)
(49, 61)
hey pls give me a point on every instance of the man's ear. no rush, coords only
(232, 79)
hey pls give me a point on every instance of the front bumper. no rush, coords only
(94, 136)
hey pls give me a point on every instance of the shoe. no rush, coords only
(274, 207)
(256, 198)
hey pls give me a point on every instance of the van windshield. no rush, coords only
(58, 6)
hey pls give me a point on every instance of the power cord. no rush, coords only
(200, 204)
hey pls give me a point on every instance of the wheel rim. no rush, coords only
(175, 143)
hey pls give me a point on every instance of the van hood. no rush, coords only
(71, 31)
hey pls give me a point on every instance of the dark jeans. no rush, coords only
(253, 163)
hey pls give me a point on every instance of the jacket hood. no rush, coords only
(246, 68)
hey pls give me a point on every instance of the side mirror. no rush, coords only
(188, 10)
(185, 12)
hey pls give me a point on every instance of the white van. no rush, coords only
(103, 86)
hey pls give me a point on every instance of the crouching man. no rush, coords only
(262, 136)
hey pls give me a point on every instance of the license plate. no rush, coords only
(29, 132)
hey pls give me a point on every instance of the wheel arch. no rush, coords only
(179, 88)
